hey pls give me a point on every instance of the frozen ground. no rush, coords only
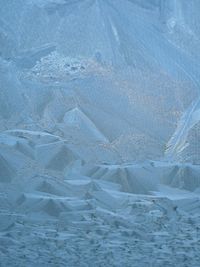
(99, 133)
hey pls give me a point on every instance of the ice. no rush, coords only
(99, 133)
(131, 179)
(6, 170)
(59, 157)
(76, 121)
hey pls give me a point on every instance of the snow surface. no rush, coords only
(99, 133)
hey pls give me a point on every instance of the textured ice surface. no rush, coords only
(130, 67)
(99, 133)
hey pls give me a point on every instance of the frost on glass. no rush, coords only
(99, 132)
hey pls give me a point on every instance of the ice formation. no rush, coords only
(99, 133)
